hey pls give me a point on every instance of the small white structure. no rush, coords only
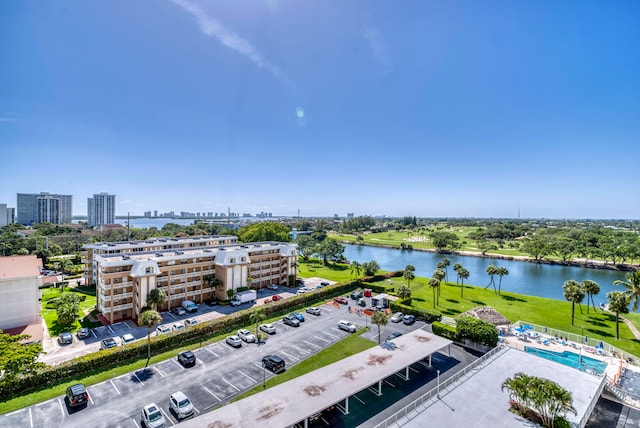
(19, 292)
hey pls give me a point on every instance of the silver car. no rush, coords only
(152, 417)
(181, 405)
(246, 335)
(268, 328)
(234, 341)
(397, 317)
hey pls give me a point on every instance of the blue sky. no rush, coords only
(425, 108)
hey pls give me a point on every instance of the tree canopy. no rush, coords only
(264, 231)
(16, 358)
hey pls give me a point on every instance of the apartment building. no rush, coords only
(44, 207)
(101, 209)
(19, 291)
(7, 215)
(125, 272)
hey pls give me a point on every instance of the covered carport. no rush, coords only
(294, 401)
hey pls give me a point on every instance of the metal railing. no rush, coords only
(468, 371)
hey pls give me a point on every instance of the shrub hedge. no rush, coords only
(427, 315)
(444, 330)
(477, 330)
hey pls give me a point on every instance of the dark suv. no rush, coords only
(273, 363)
(77, 395)
(187, 358)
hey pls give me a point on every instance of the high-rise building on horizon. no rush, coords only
(44, 207)
(7, 215)
(101, 209)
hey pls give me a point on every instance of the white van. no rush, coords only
(189, 306)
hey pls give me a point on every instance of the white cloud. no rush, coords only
(378, 47)
(213, 27)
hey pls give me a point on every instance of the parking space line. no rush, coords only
(45, 402)
(61, 407)
(15, 412)
(230, 384)
(214, 395)
(389, 383)
(111, 330)
(134, 373)
(329, 334)
(166, 417)
(114, 387)
(312, 344)
(178, 364)
(358, 398)
(94, 334)
(247, 376)
(158, 370)
(89, 395)
(300, 349)
(134, 422)
(414, 370)
(258, 365)
(195, 408)
(320, 338)
(207, 348)
(290, 356)
(30, 418)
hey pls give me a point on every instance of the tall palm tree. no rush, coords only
(492, 270)
(409, 276)
(444, 263)
(456, 266)
(434, 284)
(379, 318)
(404, 292)
(156, 298)
(356, 269)
(590, 288)
(618, 303)
(632, 284)
(573, 293)
(501, 271)
(257, 317)
(439, 275)
(462, 274)
(149, 319)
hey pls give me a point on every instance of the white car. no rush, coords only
(347, 326)
(397, 317)
(178, 326)
(268, 328)
(191, 322)
(162, 329)
(246, 335)
(127, 338)
(234, 341)
(272, 286)
(181, 405)
(152, 416)
(303, 290)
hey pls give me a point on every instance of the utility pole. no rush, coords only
(128, 227)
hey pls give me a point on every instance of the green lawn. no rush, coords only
(334, 271)
(51, 318)
(346, 347)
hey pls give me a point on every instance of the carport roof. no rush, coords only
(293, 401)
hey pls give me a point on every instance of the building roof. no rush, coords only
(488, 314)
(290, 402)
(14, 267)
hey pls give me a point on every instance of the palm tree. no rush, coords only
(212, 282)
(573, 293)
(462, 274)
(434, 284)
(618, 303)
(501, 271)
(456, 266)
(632, 284)
(356, 269)
(404, 292)
(409, 276)
(149, 318)
(590, 288)
(492, 270)
(439, 275)
(257, 317)
(443, 265)
(156, 298)
(379, 318)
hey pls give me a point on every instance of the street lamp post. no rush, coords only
(264, 376)
(438, 380)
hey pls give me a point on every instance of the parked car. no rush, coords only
(65, 338)
(162, 329)
(274, 363)
(303, 290)
(83, 333)
(291, 320)
(397, 317)
(357, 294)
(268, 328)
(361, 302)
(211, 302)
(347, 326)
(314, 310)
(272, 286)
(191, 322)
(77, 395)
(234, 341)
(341, 300)
(178, 310)
(187, 358)
(297, 315)
(177, 326)
(181, 405)
(108, 343)
(409, 319)
(324, 283)
(152, 417)
(299, 281)
(394, 335)
(276, 297)
(127, 338)
(246, 335)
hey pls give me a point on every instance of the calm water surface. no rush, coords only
(524, 278)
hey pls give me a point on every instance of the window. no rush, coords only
(148, 269)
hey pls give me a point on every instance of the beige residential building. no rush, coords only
(125, 272)
(19, 291)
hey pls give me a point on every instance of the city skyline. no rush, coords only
(456, 109)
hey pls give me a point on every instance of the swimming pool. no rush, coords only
(580, 362)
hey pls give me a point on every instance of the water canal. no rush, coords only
(533, 279)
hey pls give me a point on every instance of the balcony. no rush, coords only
(180, 277)
(122, 307)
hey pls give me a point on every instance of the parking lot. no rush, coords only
(221, 372)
